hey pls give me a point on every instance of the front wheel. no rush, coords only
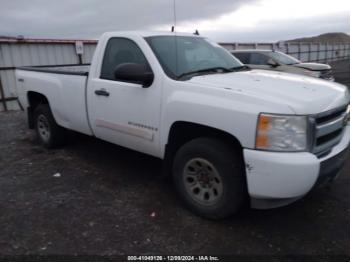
(209, 176)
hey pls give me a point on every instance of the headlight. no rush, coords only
(282, 133)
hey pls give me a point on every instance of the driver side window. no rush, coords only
(120, 51)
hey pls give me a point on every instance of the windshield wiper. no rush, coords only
(215, 70)
(207, 70)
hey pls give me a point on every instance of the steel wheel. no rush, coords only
(43, 128)
(202, 181)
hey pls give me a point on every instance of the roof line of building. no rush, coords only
(43, 41)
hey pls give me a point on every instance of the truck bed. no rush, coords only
(66, 70)
(65, 88)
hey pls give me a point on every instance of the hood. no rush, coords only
(302, 94)
(313, 66)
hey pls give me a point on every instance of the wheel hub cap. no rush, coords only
(43, 128)
(202, 181)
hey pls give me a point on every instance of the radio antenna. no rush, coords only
(173, 29)
(174, 10)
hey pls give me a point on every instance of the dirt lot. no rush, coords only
(109, 200)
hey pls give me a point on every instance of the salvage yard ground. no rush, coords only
(92, 197)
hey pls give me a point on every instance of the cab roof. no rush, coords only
(149, 33)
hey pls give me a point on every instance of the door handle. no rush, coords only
(102, 92)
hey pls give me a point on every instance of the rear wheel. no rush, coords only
(210, 177)
(48, 132)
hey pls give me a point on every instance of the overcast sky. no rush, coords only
(222, 20)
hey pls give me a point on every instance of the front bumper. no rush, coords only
(275, 179)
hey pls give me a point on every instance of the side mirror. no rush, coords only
(134, 73)
(272, 63)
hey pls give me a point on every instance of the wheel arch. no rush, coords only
(34, 100)
(182, 132)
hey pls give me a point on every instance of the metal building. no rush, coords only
(15, 52)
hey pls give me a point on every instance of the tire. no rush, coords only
(48, 132)
(210, 178)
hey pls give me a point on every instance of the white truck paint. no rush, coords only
(141, 118)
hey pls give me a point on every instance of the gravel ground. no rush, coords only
(92, 197)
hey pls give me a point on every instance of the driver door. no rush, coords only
(120, 112)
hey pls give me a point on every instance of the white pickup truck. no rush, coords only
(226, 133)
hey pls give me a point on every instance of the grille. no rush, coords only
(328, 130)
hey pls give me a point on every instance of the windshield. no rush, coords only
(181, 55)
(283, 59)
